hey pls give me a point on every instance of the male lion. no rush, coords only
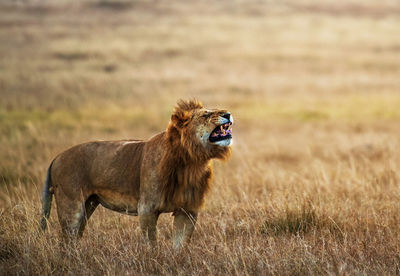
(170, 172)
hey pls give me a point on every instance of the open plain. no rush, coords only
(313, 185)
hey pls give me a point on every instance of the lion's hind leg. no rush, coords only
(74, 214)
(90, 205)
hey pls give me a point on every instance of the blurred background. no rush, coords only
(314, 87)
(113, 69)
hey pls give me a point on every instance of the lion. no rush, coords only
(169, 173)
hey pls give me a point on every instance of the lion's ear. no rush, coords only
(180, 118)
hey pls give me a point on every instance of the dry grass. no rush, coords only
(313, 185)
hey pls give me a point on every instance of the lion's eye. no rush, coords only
(206, 115)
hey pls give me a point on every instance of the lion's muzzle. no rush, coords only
(222, 134)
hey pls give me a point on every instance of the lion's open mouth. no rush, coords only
(221, 132)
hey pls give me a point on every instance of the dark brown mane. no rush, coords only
(188, 105)
(185, 169)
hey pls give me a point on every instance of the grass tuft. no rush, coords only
(300, 219)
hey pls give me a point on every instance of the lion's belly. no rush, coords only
(123, 203)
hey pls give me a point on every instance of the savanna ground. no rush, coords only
(314, 86)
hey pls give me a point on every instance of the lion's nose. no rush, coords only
(227, 116)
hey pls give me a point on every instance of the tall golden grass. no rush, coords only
(313, 184)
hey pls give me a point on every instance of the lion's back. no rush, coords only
(100, 164)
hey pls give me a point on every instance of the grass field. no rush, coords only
(313, 186)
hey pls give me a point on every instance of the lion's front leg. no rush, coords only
(184, 223)
(148, 225)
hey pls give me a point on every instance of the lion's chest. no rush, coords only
(187, 189)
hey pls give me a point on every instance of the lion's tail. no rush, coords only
(47, 198)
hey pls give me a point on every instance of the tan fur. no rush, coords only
(170, 172)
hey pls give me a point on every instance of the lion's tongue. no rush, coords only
(215, 134)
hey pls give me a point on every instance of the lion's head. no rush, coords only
(203, 133)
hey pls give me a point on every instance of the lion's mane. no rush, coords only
(185, 167)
